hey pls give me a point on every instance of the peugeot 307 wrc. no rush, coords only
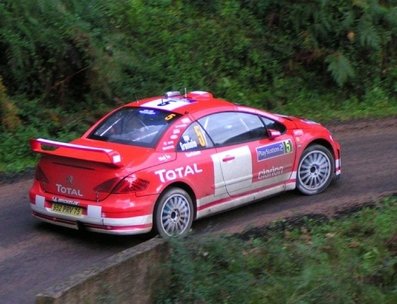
(162, 162)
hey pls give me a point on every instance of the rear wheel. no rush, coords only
(174, 213)
(316, 170)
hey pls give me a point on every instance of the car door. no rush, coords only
(246, 159)
(196, 147)
(273, 156)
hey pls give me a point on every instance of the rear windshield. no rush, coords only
(134, 126)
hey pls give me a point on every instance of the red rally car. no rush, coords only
(162, 162)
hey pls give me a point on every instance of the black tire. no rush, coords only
(316, 170)
(174, 213)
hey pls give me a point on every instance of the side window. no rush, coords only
(194, 138)
(274, 125)
(229, 128)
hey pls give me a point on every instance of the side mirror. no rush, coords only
(272, 134)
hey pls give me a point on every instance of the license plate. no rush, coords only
(66, 209)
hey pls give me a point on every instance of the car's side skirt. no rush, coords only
(233, 202)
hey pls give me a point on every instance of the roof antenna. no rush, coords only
(185, 92)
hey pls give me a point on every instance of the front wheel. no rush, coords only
(174, 213)
(316, 170)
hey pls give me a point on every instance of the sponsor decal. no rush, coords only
(181, 172)
(274, 171)
(164, 157)
(188, 143)
(180, 126)
(63, 201)
(274, 150)
(147, 112)
(186, 120)
(68, 190)
(194, 153)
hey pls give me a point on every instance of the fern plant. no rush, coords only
(339, 67)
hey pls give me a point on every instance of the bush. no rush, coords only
(347, 260)
(68, 52)
(76, 58)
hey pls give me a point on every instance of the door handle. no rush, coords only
(228, 158)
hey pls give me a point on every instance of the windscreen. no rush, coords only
(134, 126)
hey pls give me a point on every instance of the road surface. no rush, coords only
(34, 255)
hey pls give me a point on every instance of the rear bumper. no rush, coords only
(118, 214)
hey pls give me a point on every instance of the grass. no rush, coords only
(374, 104)
(352, 259)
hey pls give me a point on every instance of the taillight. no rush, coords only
(107, 186)
(40, 177)
(131, 184)
(126, 185)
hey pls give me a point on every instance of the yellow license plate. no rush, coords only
(66, 209)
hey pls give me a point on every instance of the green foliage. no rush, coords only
(51, 52)
(340, 68)
(348, 260)
(8, 112)
(15, 153)
(224, 275)
(68, 51)
(75, 58)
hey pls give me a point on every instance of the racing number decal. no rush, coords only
(169, 117)
(200, 136)
(287, 146)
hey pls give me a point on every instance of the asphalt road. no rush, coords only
(34, 255)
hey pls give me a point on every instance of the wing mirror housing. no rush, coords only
(272, 134)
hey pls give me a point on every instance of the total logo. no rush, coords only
(67, 190)
(181, 172)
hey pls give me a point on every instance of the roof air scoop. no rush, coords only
(172, 94)
(175, 97)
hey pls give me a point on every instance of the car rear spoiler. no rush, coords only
(102, 155)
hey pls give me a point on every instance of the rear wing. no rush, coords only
(102, 155)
